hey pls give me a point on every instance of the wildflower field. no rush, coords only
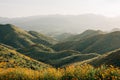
(83, 72)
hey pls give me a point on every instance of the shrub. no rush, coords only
(82, 72)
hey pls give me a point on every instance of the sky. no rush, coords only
(23, 8)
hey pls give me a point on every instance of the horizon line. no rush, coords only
(61, 15)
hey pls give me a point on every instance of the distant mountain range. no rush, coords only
(64, 23)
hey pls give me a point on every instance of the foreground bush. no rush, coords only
(83, 72)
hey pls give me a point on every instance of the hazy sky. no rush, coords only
(22, 8)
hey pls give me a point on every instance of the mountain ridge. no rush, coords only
(19, 38)
(96, 44)
(64, 23)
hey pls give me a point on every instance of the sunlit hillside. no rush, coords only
(9, 58)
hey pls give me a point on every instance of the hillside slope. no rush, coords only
(9, 58)
(111, 58)
(96, 44)
(18, 38)
(85, 34)
(63, 37)
(57, 59)
(41, 36)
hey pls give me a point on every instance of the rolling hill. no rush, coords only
(63, 37)
(9, 58)
(111, 58)
(43, 37)
(38, 47)
(18, 38)
(85, 34)
(57, 59)
(101, 43)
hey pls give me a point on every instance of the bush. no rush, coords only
(82, 72)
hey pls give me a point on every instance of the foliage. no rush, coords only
(9, 58)
(101, 43)
(57, 59)
(86, 34)
(19, 38)
(111, 58)
(82, 72)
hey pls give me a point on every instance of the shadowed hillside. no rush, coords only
(111, 58)
(96, 44)
(57, 59)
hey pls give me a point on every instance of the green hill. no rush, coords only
(18, 38)
(35, 45)
(111, 58)
(85, 34)
(57, 59)
(9, 58)
(36, 48)
(40, 37)
(72, 59)
(62, 37)
(101, 43)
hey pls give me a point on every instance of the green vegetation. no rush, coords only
(96, 44)
(111, 58)
(85, 34)
(63, 37)
(57, 59)
(40, 36)
(10, 59)
(18, 38)
(35, 49)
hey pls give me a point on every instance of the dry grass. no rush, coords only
(83, 72)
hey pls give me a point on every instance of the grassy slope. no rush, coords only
(18, 38)
(57, 59)
(85, 34)
(27, 44)
(110, 58)
(63, 37)
(97, 44)
(40, 36)
(9, 58)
